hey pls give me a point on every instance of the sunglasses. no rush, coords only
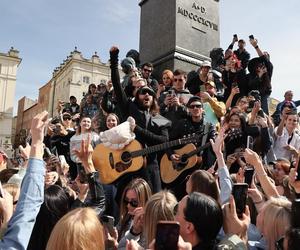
(148, 70)
(132, 203)
(145, 91)
(67, 118)
(198, 106)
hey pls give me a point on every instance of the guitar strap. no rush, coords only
(205, 133)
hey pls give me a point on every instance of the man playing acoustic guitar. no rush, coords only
(193, 124)
(151, 128)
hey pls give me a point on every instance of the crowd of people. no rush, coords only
(225, 174)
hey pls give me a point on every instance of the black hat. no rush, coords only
(253, 63)
(146, 88)
(193, 99)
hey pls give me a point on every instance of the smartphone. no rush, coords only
(108, 222)
(167, 233)
(239, 192)
(1, 190)
(298, 171)
(261, 113)
(62, 159)
(248, 174)
(251, 37)
(234, 84)
(81, 173)
(202, 88)
(47, 153)
(250, 142)
(235, 36)
(171, 92)
(295, 215)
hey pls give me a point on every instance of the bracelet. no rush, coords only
(261, 174)
(133, 233)
(256, 47)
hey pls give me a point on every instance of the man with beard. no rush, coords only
(151, 128)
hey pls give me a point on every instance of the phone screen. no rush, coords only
(1, 190)
(202, 88)
(62, 159)
(167, 233)
(250, 142)
(295, 215)
(108, 222)
(248, 175)
(239, 192)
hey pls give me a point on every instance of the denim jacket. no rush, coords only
(31, 198)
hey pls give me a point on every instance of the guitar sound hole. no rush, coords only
(126, 157)
(184, 159)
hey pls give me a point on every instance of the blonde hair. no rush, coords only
(277, 216)
(159, 207)
(79, 229)
(12, 189)
(143, 192)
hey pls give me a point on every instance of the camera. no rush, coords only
(256, 95)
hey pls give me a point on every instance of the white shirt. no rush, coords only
(281, 141)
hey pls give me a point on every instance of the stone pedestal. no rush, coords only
(178, 34)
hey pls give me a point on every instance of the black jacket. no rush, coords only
(151, 132)
(187, 127)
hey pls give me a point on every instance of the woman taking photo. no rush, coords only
(82, 133)
(134, 199)
(287, 137)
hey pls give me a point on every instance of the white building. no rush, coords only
(73, 77)
(9, 63)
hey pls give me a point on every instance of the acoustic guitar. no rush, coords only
(112, 164)
(170, 171)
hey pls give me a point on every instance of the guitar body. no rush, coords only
(170, 171)
(112, 164)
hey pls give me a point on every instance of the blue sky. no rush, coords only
(46, 31)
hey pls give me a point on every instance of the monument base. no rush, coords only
(178, 59)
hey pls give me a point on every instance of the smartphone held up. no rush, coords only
(167, 234)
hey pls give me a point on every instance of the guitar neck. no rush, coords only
(159, 147)
(199, 149)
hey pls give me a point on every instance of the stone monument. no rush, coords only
(178, 34)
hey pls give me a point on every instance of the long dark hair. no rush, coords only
(55, 206)
(154, 109)
(202, 210)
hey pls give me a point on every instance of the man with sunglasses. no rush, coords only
(173, 102)
(151, 128)
(147, 69)
(193, 124)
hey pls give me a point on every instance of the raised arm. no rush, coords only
(32, 191)
(115, 77)
(253, 159)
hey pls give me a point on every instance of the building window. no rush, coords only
(102, 81)
(86, 79)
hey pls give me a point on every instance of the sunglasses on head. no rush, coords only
(198, 106)
(132, 203)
